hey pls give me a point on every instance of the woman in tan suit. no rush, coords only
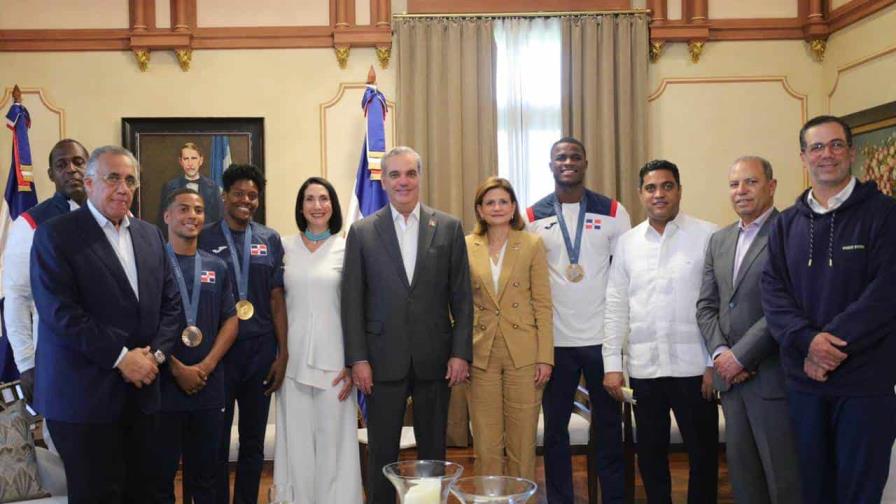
(513, 343)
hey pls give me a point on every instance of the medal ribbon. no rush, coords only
(571, 251)
(241, 271)
(191, 303)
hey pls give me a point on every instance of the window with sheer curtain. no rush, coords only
(528, 80)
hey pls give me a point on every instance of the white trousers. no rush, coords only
(316, 447)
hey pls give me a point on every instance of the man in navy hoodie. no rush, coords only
(828, 300)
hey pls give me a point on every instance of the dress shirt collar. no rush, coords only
(673, 225)
(396, 215)
(758, 222)
(102, 220)
(835, 201)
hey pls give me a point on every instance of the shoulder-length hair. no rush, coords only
(516, 222)
(335, 218)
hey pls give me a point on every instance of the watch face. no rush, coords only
(159, 356)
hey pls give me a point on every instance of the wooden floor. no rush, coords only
(464, 457)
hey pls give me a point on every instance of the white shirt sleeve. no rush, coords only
(616, 314)
(18, 308)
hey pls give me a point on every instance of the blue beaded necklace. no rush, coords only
(316, 237)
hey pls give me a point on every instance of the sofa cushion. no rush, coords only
(18, 465)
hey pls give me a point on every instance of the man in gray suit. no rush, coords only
(761, 453)
(407, 317)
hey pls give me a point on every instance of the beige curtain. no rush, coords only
(605, 100)
(447, 113)
(446, 107)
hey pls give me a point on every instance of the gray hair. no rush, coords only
(94, 161)
(402, 150)
(766, 165)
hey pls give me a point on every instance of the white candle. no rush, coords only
(425, 491)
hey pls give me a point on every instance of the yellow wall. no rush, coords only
(751, 97)
(741, 98)
(286, 87)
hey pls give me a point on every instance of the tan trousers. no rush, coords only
(504, 406)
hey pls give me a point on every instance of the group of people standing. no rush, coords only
(145, 347)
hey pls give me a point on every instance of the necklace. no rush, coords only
(316, 237)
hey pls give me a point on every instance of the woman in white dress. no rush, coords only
(316, 451)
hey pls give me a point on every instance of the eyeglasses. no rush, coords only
(114, 179)
(837, 147)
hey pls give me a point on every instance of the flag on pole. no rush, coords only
(18, 197)
(220, 158)
(369, 196)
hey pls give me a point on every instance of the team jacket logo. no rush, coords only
(592, 223)
(258, 249)
(218, 250)
(207, 277)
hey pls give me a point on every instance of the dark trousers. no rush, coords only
(246, 366)
(385, 411)
(109, 462)
(843, 445)
(698, 422)
(606, 417)
(195, 435)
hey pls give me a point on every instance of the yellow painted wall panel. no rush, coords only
(63, 14)
(859, 64)
(728, 9)
(218, 13)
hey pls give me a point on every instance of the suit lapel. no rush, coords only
(726, 257)
(758, 245)
(427, 230)
(511, 252)
(482, 264)
(385, 226)
(104, 252)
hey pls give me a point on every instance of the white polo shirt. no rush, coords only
(579, 306)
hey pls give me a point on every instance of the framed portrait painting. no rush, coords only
(874, 139)
(171, 149)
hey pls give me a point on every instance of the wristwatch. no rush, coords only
(159, 357)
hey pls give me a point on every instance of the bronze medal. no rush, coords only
(244, 309)
(191, 336)
(575, 273)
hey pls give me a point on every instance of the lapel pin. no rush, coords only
(432, 222)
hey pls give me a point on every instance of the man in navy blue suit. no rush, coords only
(109, 316)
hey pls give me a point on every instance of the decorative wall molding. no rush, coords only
(781, 79)
(143, 37)
(6, 99)
(855, 64)
(343, 87)
(814, 23)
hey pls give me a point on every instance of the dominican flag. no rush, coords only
(592, 223)
(220, 158)
(18, 197)
(369, 196)
(258, 249)
(207, 277)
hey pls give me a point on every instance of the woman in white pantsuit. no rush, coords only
(316, 450)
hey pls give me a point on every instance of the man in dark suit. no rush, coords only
(190, 159)
(748, 373)
(108, 318)
(406, 278)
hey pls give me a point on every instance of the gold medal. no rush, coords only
(191, 336)
(244, 309)
(575, 273)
